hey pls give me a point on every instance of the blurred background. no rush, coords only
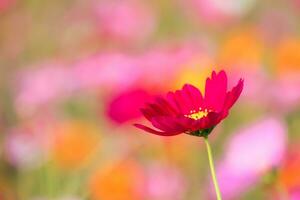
(73, 75)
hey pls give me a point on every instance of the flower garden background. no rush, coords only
(74, 75)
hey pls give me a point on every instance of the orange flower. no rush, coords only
(241, 48)
(116, 182)
(74, 143)
(289, 176)
(287, 55)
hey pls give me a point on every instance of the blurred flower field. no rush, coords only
(74, 75)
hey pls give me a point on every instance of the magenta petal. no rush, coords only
(212, 119)
(194, 95)
(184, 101)
(164, 124)
(148, 114)
(175, 102)
(156, 109)
(180, 101)
(150, 130)
(215, 91)
(172, 124)
(233, 95)
(160, 107)
(167, 106)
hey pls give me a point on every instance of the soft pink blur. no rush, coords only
(5, 4)
(295, 195)
(164, 182)
(250, 153)
(126, 105)
(42, 85)
(24, 148)
(108, 71)
(290, 98)
(220, 12)
(125, 20)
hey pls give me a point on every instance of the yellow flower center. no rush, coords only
(197, 114)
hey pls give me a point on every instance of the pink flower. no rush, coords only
(295, 195)
(256, 82)
(28, 145)
(290, 84)
(37, 87)
(218, 11)
(5, 4)
(250, 153)
(22, 149)
(121, 71)
(126, 105)
(163, 182)
(124, 21)
(106, 71)
(166, 61)
(275, 24)
(187, 111)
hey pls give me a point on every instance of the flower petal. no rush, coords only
(194, 95)
(167, 106)
(233, 95)
(155, 109)
(173, 124)
(150, 130)
(211, 120)
(175, 102)
(181, 101)
(148, 114)
(215, 91)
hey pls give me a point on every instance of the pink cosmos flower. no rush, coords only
(28, 145)
(290, 84)
(295, 195)
(22, 149)
(126, 20)
(164, 182)
(166, 61)
(48, 82)
(220, 12)
(187, 111)
(275, 24)
(108, 71)
(125, 106)
(256, 79)
(250, 153)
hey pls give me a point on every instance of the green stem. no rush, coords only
(212, 169)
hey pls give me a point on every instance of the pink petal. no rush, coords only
(233, 95)
(165, 104)
(173, 124)
(181, 101)
(126, 105)
(194, 95)
(160, 107)
(150, 130)
(212, 119)
(215, 91)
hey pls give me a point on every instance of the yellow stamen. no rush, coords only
(197, 114)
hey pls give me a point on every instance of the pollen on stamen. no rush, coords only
(197, 114)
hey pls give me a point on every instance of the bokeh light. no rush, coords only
(74, 75)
